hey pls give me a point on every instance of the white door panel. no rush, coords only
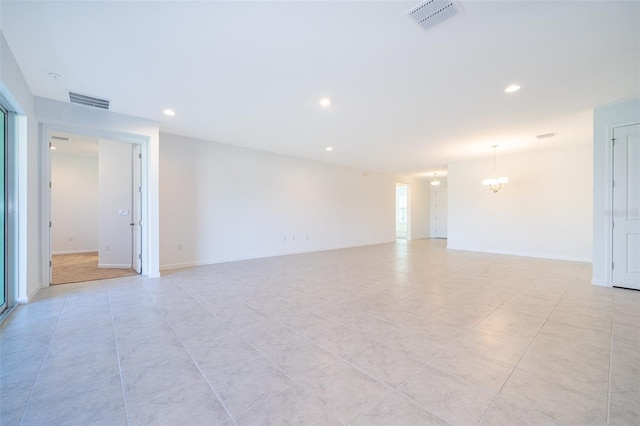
(136, 216)
(626, 206)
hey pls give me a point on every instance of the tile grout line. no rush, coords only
(340, 358)
(115, 341)
(393, 389)
(296, 383)
(35, 382)
(195, 363)
(385, 320)
(397, 389)
(374, 341)
(262, 354)
(262, 402)
(610, 361)
(525, 351)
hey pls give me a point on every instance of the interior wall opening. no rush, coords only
(402, 211)
(95, 202)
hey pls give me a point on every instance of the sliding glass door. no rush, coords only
(3, 208)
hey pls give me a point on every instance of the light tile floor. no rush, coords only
(395, 334)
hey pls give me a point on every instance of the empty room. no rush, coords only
(320, 212)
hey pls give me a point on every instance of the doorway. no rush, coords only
(402, 211)
(626, 207)
(439, 201)
(95, 201)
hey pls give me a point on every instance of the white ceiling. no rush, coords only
(405, 100)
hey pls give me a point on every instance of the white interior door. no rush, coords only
(439, 212)
(626, 206)
(136, 217)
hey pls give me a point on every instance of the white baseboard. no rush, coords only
(601, 283)
(75, 251)
(195, 263)
(170, 266)
(114, 266)
(526, 254)
(30, 296)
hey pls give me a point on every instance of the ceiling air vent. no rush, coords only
(432, 12)
(88, 100)
(547, 135)
(59, 138)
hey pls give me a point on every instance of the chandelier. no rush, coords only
(495, 183)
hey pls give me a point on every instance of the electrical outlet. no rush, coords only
(106, 247)
(70, 238)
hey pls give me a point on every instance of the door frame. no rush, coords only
(44, 131)
(612, 207)
(433, 201)
(608, 196)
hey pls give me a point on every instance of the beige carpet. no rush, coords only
(75, 268)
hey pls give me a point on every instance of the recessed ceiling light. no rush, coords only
(329, 148)
(325, 102)
(512, 88)
(169, 112)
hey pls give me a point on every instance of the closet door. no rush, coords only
(626, 206)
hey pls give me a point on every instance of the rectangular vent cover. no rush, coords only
(60, 138)
(88, 100)
(547, 135)
(432, 12)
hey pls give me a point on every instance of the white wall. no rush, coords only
(16, 94)
(74, 203)
(604, 120)
(221, 203)
(114, 204)
(545, 210)
(420, 209)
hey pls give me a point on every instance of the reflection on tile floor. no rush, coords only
(395, 334)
